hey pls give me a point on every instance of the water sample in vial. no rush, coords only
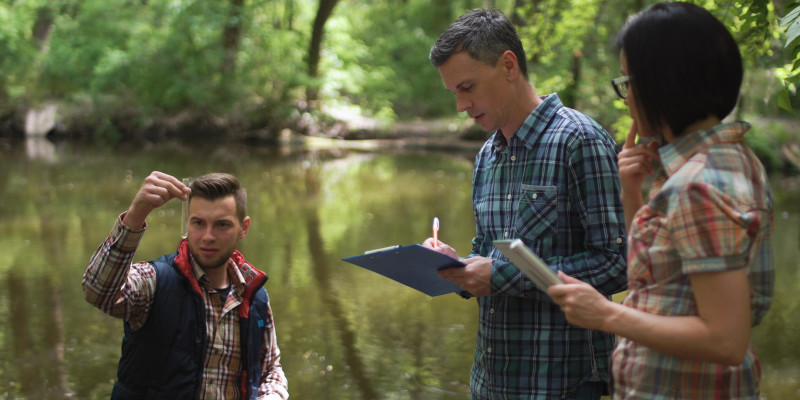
(185, 213)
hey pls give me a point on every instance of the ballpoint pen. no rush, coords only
(435, 231)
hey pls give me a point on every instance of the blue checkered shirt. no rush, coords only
(555, 185)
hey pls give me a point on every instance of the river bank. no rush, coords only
(775, 140)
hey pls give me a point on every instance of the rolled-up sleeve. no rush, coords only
(113, 285)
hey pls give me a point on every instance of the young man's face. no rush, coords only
(481, 90)
(214, 230)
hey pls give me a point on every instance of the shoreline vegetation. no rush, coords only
(776, 141)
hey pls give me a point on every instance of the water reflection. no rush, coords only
(39, 148)
(345, 333)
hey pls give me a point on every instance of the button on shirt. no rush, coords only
(712, 214)
(555, 185)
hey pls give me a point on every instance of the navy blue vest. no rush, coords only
(164, 358)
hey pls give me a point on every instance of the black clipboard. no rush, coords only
(414, 266)
(528, 262)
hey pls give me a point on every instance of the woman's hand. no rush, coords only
(583, 305)
(635, 162)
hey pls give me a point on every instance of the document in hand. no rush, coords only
(414, 266)
(528, 262)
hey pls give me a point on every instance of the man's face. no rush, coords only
(214, 230)
(481, 90)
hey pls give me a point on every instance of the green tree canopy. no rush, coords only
(125, 68)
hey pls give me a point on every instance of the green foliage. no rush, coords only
(384, 64)
(764, 147)
(17, 52)
(792, 22)
(758, 30)
(570, 49)
(108, 61)
(791, 71)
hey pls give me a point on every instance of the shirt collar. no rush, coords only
(237, 280)
(534, 124)
(675, 154)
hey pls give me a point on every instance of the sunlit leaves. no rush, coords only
(792, 22)
(792, 70)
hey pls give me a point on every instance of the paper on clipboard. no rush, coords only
(528, 262)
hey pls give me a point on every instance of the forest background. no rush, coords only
(127, 70)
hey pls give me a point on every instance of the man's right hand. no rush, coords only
(157, 189)
(440, 247)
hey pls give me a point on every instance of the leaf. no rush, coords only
(783, 100)
(790, 17)
(793, 32)
(792, 78)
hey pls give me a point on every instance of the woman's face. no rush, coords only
(630, 100)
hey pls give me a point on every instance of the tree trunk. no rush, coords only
(323, 13)
(42, 27)
(231, 37)
(517, 16)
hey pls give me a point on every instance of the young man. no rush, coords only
(548, 176)
(198, 324)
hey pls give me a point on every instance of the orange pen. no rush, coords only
(435, 231)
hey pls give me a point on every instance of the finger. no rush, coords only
(650, 150)
(568, 279)
(174, 186)
(630, 140)
(557, 292)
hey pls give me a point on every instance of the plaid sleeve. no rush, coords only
(113, 285)
(273, 381)
(711, 231)
(595, 196)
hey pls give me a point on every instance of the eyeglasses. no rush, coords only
(621, 86)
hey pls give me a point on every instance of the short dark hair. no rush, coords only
(684, 65)
(484, 34)
(215, 186)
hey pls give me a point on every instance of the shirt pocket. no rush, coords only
(537, 212)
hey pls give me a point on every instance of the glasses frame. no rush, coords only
(621, 85)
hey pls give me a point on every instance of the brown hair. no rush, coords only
(218, 185)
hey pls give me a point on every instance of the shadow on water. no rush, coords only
(321, 267)
(39, 359)
(345, 333)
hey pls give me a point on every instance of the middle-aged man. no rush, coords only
(547, 176)
(198, 324)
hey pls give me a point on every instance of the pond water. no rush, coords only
(345, 333)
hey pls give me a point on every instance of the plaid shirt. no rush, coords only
(108, 278)
(555, 185)
(713, 213)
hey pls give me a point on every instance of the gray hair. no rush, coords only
(484, 34)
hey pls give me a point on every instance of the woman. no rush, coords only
(700, 260)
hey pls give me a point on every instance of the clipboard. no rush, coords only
(414, 266)
(528, 262)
